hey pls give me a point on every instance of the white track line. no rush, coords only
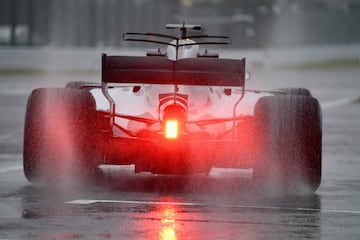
(8, 165)
(338, 102)
(11, 168)
(188, 204)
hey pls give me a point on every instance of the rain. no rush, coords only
(83, 193)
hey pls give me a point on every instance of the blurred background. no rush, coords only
(38, 36)
(250, 23)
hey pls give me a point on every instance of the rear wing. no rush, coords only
(157, 70)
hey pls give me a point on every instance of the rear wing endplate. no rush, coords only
(157, 70)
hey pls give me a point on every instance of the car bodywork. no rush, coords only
(183, 112)
(203, 93)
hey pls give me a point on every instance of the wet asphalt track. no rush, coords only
(226, 207)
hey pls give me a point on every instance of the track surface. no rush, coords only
(227, 206)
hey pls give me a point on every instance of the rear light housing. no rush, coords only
(174, 121)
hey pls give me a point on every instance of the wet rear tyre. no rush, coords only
(76, 84)
(59, 135)
(296, 91)
(290, 131)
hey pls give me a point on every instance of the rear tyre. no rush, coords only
(290, 132)
(297, 91)
(76, 84)
(59, 133)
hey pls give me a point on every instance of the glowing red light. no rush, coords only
(171, 129)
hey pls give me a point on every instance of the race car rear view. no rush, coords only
(179, 111)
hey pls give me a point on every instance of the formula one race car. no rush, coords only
(177, 111)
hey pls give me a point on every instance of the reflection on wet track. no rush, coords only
(167, 214)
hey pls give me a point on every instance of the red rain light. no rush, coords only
(171, 129)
